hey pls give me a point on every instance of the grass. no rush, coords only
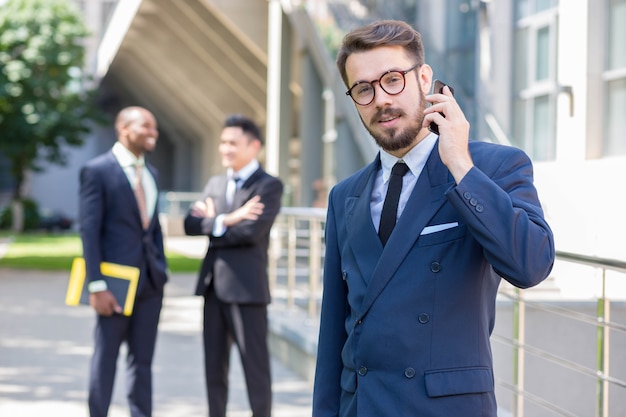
(55, 252)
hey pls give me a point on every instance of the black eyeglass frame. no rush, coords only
(403, 73)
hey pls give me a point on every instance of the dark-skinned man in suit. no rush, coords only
(119, 224)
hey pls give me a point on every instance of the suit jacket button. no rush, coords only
(435, 267)
(467, 195)
(423, 318)
(473, 201)
(362, 370)
(409, 373)
(479, 208)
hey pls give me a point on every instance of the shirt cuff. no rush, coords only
(218, 226)
(97, 286)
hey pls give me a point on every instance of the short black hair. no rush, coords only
(246, 124)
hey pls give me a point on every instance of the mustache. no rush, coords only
(386, 114)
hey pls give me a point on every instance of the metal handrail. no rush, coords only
(601, 320)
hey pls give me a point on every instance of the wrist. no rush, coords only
(97, 286)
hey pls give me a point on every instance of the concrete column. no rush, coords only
(311, 130)
(274, 66)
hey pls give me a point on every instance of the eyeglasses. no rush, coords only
(391, 82)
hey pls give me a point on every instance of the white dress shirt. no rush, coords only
(128, 161)
(416, 160)
(243, 174)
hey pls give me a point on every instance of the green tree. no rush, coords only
(44, 105)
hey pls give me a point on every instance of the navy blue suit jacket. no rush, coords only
(405, 328)
(111, 227)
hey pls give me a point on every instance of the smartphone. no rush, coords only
(438, 89)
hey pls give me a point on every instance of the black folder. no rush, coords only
(121, 280)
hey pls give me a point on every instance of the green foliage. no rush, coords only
(43, 105)
(31, 215)
(55, 252)
(331, 36)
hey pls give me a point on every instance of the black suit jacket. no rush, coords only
(236, 263)
(110, 225)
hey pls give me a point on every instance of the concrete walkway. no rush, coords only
(45, 348)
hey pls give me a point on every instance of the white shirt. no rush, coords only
(243, 174)
(128, 161)
(416, 160)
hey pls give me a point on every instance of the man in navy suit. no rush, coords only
(119, 224)
(236, 212)
(405, 324)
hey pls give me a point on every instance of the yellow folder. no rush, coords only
(121, 280)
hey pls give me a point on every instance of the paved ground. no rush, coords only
(45, 348)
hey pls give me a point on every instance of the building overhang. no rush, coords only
(185, 61)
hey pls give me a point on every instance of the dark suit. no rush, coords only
(233, 279)
(111, 231)
(405, 328)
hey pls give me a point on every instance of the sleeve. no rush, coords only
(332, 335)
(249, 232)
(200, 226)
(503, 212)
(91, 213)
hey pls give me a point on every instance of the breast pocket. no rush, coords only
(442, 236)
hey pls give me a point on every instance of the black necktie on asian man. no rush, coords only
(231, 189)
(390, 206)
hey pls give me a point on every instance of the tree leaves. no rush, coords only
(44, 106)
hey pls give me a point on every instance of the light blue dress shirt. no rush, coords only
(416, 160)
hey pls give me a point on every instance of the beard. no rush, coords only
(395, 139)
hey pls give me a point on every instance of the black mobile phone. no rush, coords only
(438, 89)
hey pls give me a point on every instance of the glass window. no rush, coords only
(519, 125)
(529, 7)
(617, 34)
(541, 5)
(543, 143)
(534, 78)
(616, 140)
(542, 64)
(521, 55)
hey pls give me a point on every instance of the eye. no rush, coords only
(362, 89)
(392, 78)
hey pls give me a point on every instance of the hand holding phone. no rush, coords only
(438, 89)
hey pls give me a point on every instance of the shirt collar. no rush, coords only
(125, 157)
(245, 172)
(415, 158)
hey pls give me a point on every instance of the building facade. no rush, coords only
(547, 76)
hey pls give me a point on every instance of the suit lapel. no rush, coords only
(219, 194)
(243, 193)
(359, 226)
(126, 190)
(425, 200)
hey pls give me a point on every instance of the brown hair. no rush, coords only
(380, 33)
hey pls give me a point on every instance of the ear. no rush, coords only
(425, 78)
(256, 144)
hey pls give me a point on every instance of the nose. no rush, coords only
(380, 95)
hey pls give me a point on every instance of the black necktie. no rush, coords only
(390, 207)
(231, 189)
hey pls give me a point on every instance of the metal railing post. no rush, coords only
(291, 259)
(603, 334)
(314, 263)
(519, 332)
